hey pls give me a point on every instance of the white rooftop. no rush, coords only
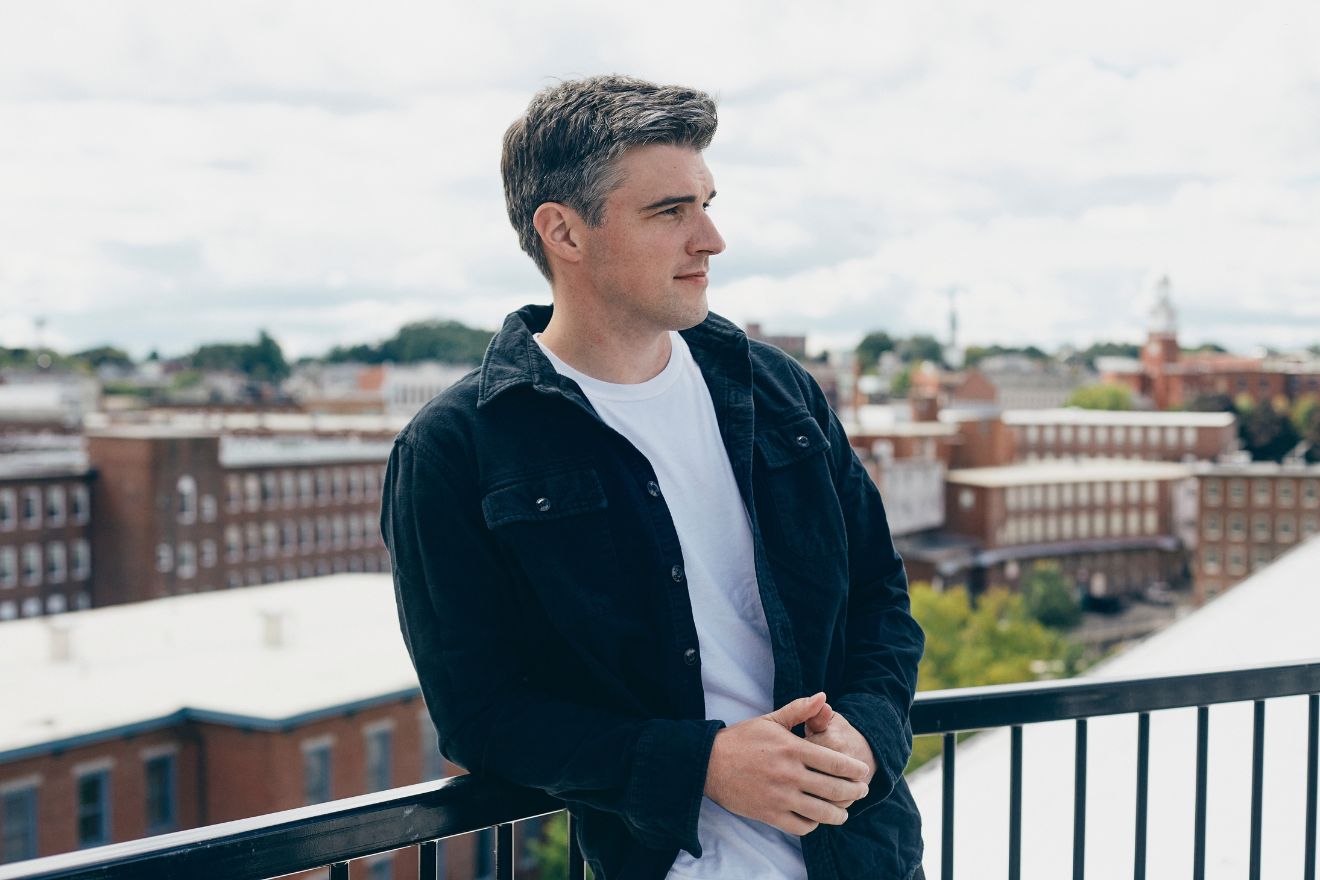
(338, 643)
(1146, 418)
(1267, 619)
(247, 451)
(1059, 470)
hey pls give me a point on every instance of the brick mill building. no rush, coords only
(1249, 515)
(124, 722)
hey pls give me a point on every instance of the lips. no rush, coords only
(692, 276)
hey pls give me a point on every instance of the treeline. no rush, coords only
(448, 341)
(924, 347)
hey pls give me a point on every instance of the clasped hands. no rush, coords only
(759, 769)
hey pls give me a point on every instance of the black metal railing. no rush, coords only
(332, 834)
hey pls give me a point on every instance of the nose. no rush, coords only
(707, 239)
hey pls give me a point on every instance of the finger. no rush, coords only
(792, 714)
(821, 720)
(832, 788)
(795, 824)
(818, 810)
(825, 760)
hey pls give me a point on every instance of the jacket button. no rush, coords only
(543, 504)
(690, 656)
(653, 488)
(803, 441)
(677, 574)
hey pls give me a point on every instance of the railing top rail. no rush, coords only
(294, 840)
(1001, 705)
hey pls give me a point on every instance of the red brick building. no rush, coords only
(123, 722)
(1247, 516)
(1133, 434)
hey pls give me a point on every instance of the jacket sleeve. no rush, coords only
(459, 619)
(884, 642)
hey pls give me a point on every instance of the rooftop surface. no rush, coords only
(1267, 619)
(241, 451)
(212, 652)
(35, 464)
(1145, 418)
(1058, 470)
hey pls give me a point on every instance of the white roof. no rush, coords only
(1072, 470)
(1267, 619)
(1129, 417)
(134, 663)
(247, 451)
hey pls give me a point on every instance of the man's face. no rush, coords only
(646, 263)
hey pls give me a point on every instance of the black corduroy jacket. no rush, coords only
(542, 597)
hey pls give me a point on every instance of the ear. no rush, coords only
(558, 226)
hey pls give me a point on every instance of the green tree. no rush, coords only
(1049, 597)
(1306, 420)
(263, 361)
(448, 341)
(104, 355)
(551, 849)
(1101, 396)
(871, 347)
(901, 384)
(1105, 349)
(1265, 431)
(922, 347)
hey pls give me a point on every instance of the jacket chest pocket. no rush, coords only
(556, 527)
(804, 505)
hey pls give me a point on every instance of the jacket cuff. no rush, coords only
(668, 780)
(887, 733)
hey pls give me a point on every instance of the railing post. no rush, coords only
(577, 867)
(1202, 760)
(1079, 803)
(1257, 785)
(428, 860)
(1143, 781)
(1312, 748)
(504, 851)
(1015, 805)
(946, 831)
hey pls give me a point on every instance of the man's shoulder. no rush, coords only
(443, 426)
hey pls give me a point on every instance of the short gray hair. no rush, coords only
(564, 148)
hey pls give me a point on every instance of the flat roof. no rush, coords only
(243, 451)
(1144, 418)
(339, 645)
(35, 464)
(1070, 470)
(1256, 469)
(1269, 618)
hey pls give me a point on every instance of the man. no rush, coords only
(634, 552)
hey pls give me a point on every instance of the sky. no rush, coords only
(173, 173)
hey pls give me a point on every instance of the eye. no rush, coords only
(671, 212)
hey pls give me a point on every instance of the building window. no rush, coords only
(1210, 559)
(1286, 492)
(1052, 496)
(354, 484)
(316, 771)
(322, 486)
(252, 491)
(288, 489)
(269, 489)
(1310, 493)
(18, 817)
(208, 553)
(1150, 521)
(8, 567)
(161, 814)
(305, 487)
(1066, 434)
(31, 507)
(186, 490)
(1133, 492)
(1033, 434)
(164, 557)
(1237, 492)
(252, 534)
(1048, 434)
(381, 867)
(337, 484)
(1260, 557)
(31, 607)
(338, 529)
(233, 492)
(1136, 436)
(1171, 437)
(209, 508)
(1260, 493)
(1189, 438)
(1285, 530)
(433, 763)
(1237, 560)
(1237, 527)
(966, 499)
(1213, 492)
(1212, 528)
(57, 562)
(31, 565)
(93, 808)
(233, 544)
(1310, 525)
(1101, 435)
(305, 535)
(380, 756)
(1066, 526)
(1120, 435)
(1260, 527)
(8, 611)
(1151, 491)
(1133, 522)
(288, 537)
(1084, 434)
(8, 510)
(1083, 494)
(187, 559)
(55, 505)
(1115, 523)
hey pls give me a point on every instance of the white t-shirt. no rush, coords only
(671, 420)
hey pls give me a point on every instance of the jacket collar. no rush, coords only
(514, 359)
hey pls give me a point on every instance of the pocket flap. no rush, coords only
(545, 497)
(792, 442)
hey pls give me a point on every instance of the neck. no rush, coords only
(604, 351)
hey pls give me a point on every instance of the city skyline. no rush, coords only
(187, 177)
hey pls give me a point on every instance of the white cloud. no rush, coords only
(330, 171)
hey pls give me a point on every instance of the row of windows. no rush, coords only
(1056, 495)
(1264, 492)
(290, 488)
(1212, 562)
(270, 539)
(1282, 528)
(53, 564)
(91, 808)
(1067, 526)
(32, 606)
(31, 507)
(271, 574)
(1120, 435)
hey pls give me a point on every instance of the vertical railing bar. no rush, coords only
(504, 851)
(1079, 803)
(577, 867)
(1143, 780)
(1257, 785)
(428, 860)
(1015, 805)
(339, 871)
(1202, 758)
(1312, 751)
(946, 829)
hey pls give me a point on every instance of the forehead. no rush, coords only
(662, 170)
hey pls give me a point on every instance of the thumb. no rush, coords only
(821, 720)
(792, 714)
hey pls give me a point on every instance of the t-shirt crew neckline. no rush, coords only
(653, 387)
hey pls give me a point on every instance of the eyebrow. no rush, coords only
(676, 200)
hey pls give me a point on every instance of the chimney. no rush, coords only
(272, 628)
(61, 641)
